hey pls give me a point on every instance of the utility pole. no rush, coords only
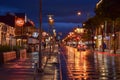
(114, 36)
(40, 40)
(51, 23)
(102, 26)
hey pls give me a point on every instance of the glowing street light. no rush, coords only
(50, 20)
(78, 13)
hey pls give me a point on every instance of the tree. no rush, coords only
(108, 8)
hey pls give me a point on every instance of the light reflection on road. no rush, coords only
(84, 65)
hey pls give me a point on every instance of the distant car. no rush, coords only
(81, 47)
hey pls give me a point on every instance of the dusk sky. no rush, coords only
(64, 11)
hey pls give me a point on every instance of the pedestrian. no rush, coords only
(104, 46)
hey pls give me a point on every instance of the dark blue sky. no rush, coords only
(64, 11)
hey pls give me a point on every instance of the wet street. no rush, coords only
(26, 69)
(17, 70)
(88, 65)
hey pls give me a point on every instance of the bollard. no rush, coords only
(1, 59)
(35, 70)
(36, 66)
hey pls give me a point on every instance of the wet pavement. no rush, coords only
(17, 70)
(24, 69)
(88, 65)
(74, 65)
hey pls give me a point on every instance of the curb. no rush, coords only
(107, 53)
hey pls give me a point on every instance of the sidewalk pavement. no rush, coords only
(109, 51)
(51, 70)
(24, 69)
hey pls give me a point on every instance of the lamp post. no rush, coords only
(51, 23)
(102, 26)
(114, 36)
(78, 29)
(40, 69)
(92, 36)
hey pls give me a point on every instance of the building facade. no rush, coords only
(7, 35)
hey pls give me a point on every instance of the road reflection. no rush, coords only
(86, 65)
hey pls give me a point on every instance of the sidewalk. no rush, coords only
(51, 70)
(24, 69)
(109, 52)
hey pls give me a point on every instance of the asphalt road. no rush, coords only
(87, 65)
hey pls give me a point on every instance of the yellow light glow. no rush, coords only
(79, 13)
(79, 30)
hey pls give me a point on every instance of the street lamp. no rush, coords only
(50, 20)
(40, 69)
(114, 47)
(114, 36)
(51, 31)
(78, 13)
(102, 26)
